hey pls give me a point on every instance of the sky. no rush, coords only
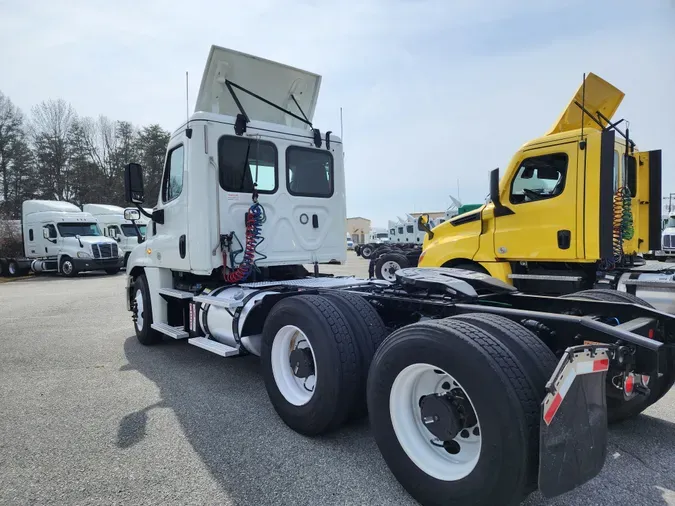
(435, 94)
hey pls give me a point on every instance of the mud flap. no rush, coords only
(573, 428)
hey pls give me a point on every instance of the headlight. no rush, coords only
(83, 254)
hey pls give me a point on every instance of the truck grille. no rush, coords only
(102, 250)
(669, 241)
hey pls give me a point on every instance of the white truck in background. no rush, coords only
(667, 240)
(59, 237)
(126, 233)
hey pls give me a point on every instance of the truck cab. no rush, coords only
(251, 189)
(113, 224)
(578, 199)
(59, 237)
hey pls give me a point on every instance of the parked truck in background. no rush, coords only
(59, 237)
(574, 210)
(667, 252)
(111, 221)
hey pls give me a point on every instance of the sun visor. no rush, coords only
(275, 82)
(600, 96)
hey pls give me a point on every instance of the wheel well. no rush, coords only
(465, 261)
(134, 273)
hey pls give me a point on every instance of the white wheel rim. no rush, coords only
(297, 391)
(67, 267)
(365, 251)
(412, 383)
(389, 269)
(12, 268)
(139, 310)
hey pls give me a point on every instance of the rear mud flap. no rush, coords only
(573, 429)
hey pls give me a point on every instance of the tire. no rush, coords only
(67, 268)
(3, 267)
(605, 295)
(12, 268)
(387, 265)
(142, 305)
(382, 250)
(111, 272)
(331, 349)
(357, 250)
(367, 331)
(499, 390)
(619, 409)
(367, 251)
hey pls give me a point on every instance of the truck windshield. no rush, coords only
(82, 229)
(130, 230)
(671, 222)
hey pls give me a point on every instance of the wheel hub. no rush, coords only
(440, 416)
(302, 363)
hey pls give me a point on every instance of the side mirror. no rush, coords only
(423, 225)
(500, 210)
(45, 233)
(132, 214)
(133, 183)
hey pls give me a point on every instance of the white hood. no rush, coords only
(271, 80)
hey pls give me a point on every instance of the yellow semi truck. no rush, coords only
(574, 210)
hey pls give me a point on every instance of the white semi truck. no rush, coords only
(111, 220)
(59, 237)
(667, 240)
(475, 392)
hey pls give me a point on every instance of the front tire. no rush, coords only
(452, 361)
(310, 364)
(67, 267)
(387, 265)
(367, 251)
(142, 310)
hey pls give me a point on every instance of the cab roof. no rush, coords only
(229, 74)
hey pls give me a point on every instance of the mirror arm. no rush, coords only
(143, 211)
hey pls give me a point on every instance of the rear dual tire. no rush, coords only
(315, 355)
(498, 372)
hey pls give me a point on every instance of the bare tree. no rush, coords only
(51, 125)
(12, 137)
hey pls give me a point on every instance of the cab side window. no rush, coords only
(172, 185)
(539, 178)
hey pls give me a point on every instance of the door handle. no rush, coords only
(315, 221)
(181, 246)
(564, 239)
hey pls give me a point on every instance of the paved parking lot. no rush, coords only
(89, 416)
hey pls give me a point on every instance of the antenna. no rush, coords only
(188, 130)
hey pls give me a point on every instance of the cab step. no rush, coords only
(214, 346)
(176, 294)
(546, 277)
(168, 330)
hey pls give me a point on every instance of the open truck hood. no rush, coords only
(600, 96)
(271, 80)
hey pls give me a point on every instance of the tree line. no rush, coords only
(54, 154)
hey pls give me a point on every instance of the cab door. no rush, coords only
(170, 217)
(541, 192)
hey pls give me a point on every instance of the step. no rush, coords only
(176, 294)
(168, 330)
(219, 301)
(545, 277)
(214, 346)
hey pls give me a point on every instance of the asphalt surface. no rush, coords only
(89, 416)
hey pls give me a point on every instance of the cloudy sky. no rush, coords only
(434, 92)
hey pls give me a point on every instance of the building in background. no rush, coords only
(359, 229)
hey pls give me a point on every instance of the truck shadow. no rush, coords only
(227, 418)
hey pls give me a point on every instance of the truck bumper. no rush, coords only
(95, 264)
